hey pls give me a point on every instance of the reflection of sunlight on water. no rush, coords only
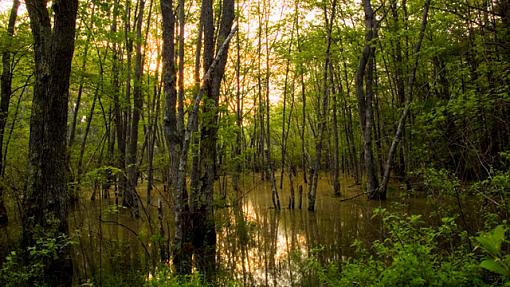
(256, 244)
(279, 242)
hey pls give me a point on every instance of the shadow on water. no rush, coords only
(256, 244)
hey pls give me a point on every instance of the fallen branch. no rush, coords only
(354, 197)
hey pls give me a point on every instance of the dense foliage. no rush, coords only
(169, 102)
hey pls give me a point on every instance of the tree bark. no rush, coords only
(304, 164)
(46, 202)
(182, 240)
(204, 232)
(365, 100)
(131, 196)
(5, 97)
(336, 137)
(181, 204)
(322, 110)
(269, 162)
(409, 98)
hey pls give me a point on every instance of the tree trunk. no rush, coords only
(79, 169)
(239, 120)
(409, 98)
(183, 248)
(5, 97)
(151, 134)
(46, 198)
(322, 111)
(269, 162)
(204, 231)
(336, 137)
(365, 100)
(118, 115)
(182, 245)
(304, 164)
(131, 195)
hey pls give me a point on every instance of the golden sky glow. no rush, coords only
(6, 5)
(279, 14)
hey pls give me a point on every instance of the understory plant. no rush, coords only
(26, 267)
(409, 254)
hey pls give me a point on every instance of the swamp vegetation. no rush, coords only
(255, 143)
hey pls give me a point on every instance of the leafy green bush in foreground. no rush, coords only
(413, 255)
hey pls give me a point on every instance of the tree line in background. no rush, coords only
(182, 93)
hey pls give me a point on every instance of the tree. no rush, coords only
(409, 98)
(46, 202)
(5, 97)
(182, 252)
(364, 75)
(204, 230)
(323, 109)
(131, 196)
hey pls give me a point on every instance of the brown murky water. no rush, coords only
(257, 245)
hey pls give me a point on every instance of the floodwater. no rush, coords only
(256, 244)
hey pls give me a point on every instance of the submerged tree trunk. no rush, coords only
(239, 120)
(303, 99)
(182, 250)
(336, 137)
(409, 97)
(6, 91)
(204, 231)
(118, 116)
(180, 203)
(131, 195)
(322, 111)
(46, 202)
(365, 100)
(269, 162)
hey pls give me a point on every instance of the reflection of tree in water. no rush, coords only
(262, 246)
(257, 245)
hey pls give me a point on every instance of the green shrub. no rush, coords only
(497, 260)
(28, 270)
(410, 255)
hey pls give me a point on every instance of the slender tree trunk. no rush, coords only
(183, 160)
(79, 169)
(151, 133)
(204, 233)
(72, 132)
(349, 125)
(239, 119)
(182, 240)
(269, 161)
(180, 108)
(336, 148)
(118, 115)
(46, 201)
(260, 107)
(5, 97)
(409, 99)
(322, 110)
(127, 192)
(131, 196)
(301, 69)
(399, 81)
(365, 100)
(285, 130)
(13, 123)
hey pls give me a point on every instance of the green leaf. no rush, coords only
(493, 266)
(491, 241)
